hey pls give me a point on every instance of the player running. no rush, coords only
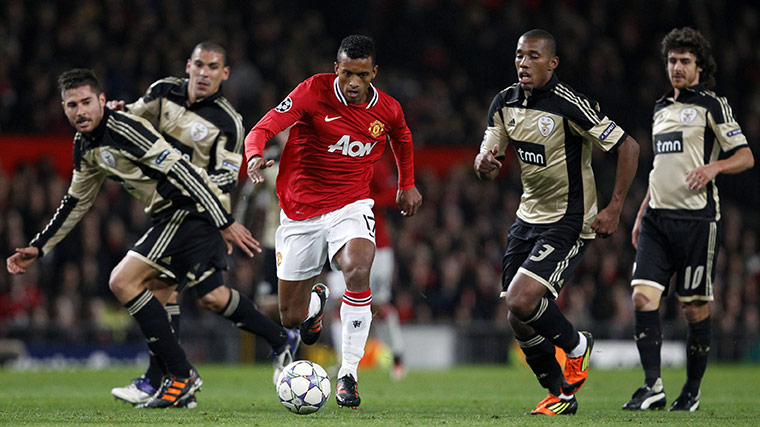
(340, 126)
(552, 129)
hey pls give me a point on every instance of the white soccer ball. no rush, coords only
(303, 387)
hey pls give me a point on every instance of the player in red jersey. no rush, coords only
(340, 125)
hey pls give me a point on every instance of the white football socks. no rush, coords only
(355, 317)
(580, 348)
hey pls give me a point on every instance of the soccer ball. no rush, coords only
(303, 387)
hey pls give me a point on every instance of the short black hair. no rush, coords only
(78, 77)
(687, 39)
(357, 47)
(536, 33)
(211, 46)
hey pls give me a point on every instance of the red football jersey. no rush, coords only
(327, 160)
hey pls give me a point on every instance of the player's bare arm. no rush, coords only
(637, 224)
(23, 258)
(238, 235)
(486, 165)
(608, 219)
(255, 166)
(409, 201)
(740, 161)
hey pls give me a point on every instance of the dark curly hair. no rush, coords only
(690, 40)
(357, 47)
(78, 77)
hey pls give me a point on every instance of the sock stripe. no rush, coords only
(139, 302)
(538, 339)
(232, 304)
(540, 310)
(357, 302)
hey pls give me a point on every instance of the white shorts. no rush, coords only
(303, 246)
(380, 278)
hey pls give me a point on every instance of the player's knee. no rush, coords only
(640, 301)
(357, 277)
(117, 282)
(521, 304)
(513, 320)
(695, 311)
(212, 302)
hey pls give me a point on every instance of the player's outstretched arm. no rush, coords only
(23, 258)
(738, 162)
(237, 234)
(409, 201)
(255, 166)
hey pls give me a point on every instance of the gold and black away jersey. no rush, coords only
(686, 134)
(209, 133)
(551, 132)
(128, 150)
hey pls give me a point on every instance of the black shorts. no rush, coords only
(547, 253)
(184, 247)
(688, 248)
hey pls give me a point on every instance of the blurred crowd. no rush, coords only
(444, 61)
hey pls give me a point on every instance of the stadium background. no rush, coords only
(444, 61)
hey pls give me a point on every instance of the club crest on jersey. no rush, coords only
(198, 131)
(545, 125)
(108, 158)
(284, 105)
(279, 259)
(376, 128)
(688, 115)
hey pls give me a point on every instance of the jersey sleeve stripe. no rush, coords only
(201, 191)
(222, 179)
(67, 205)
(130, 134)
(583, 105)
(725, 108)
(237, 120)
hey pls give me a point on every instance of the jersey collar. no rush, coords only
(342, 99)
(181, 91)
(519, 94)
(692, 90)
(92, 138)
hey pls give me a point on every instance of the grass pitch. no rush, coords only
(473, 395)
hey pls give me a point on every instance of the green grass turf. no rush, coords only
(473, 395)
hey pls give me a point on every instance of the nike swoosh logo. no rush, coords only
(329, 119)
